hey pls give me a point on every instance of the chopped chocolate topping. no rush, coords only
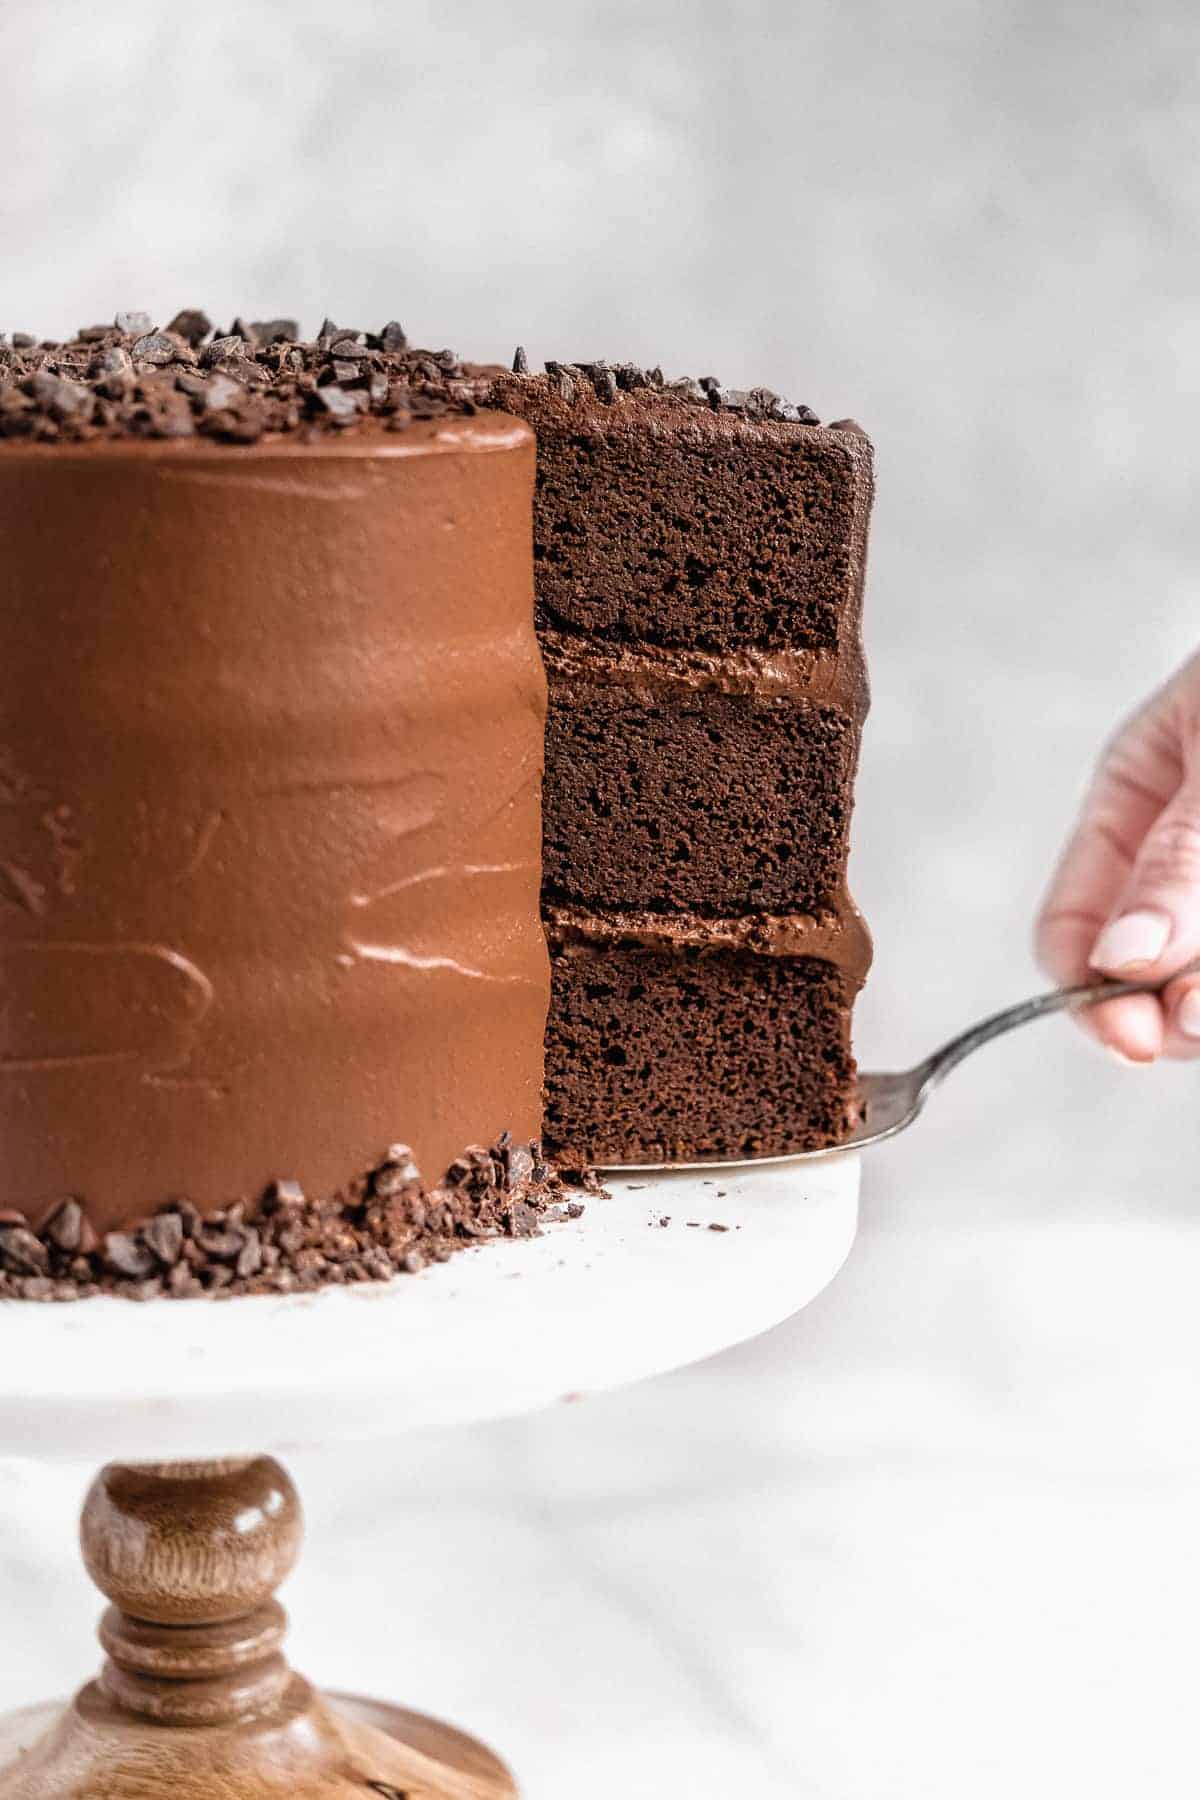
(155, 347)
(64, 1228)
(21, 1252)
(164, 1236)
(136, 379)
(608, 381)
(384, 1223)
(128, 1254)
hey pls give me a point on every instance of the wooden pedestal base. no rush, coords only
(195, 1700)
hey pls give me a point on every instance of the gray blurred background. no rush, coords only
(936, 1536)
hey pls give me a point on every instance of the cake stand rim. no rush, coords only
(592, 1305)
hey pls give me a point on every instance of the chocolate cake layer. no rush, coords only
(270, 762)
(699, 561)
(662, 520)
(658, 1055)
(694, 798)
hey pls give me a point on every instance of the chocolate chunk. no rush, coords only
(392, 337)
(250, 1256)
(520, 1164)
(341, 406)
(389, 1180)
(401, 1157)
(221, 391)
(686, 389)
(61, 398)
(23, 340)
(346, 345)
(605, 384)
(116, 361)
(125, 1254)
(64, 1226)
(133, 324)
(189, 1214)
(164, 1236)
(328, 330)
(149, 1289)
(191, 325)
(221, 350)
(520, 362)
(222, 1246)
(344, 372)
(155, 347)
(21, 1252)
(283, 1196)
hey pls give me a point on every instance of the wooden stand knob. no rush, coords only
(200, 1547)
(195, 1700)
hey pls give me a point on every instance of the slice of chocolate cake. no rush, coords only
(699, 562)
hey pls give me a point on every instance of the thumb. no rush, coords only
(1154, 927)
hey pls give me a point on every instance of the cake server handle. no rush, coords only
(936, 1067)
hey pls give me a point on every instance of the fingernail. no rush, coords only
(1188, 1016)
(1131, 942)
(1126, 1062)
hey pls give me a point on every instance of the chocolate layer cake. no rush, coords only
(271, 724)
(274, 896)
(699, 562)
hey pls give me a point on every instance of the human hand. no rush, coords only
(1125, 898)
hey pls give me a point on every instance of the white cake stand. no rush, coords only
(196, 1698)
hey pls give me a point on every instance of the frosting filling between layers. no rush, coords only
(652, 671)
(839, 937)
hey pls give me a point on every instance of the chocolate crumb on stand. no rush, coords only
(382, 1224)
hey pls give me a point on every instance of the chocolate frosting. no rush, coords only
(270, 753)
(838, 936)
(648, 672)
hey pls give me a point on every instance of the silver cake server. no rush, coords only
(888, 1103)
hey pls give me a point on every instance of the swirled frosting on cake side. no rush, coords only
(271, 730)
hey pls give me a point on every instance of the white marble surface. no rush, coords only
(937, 1537)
